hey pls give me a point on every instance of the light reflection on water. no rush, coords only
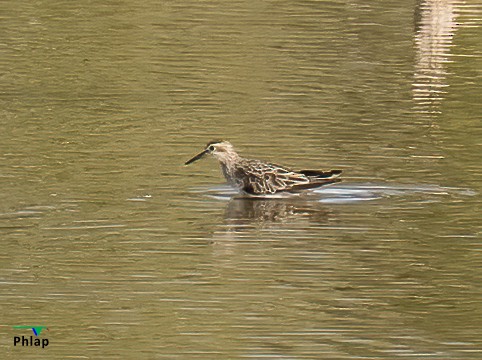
(338, 193)
(433, 39)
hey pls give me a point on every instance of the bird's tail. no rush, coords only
(313, 184)
(317, 178)
(318, 174)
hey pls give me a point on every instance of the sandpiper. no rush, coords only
(255, 177)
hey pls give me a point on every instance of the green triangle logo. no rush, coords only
(36, 329)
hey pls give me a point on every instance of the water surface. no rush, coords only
(123, 252)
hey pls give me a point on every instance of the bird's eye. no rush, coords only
(211, 148)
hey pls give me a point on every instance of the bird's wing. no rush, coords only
(262, 178)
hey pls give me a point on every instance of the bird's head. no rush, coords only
(220, 149)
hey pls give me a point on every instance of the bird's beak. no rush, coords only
(197, 157)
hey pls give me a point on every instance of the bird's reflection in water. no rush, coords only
(254, 221)
(255, 212)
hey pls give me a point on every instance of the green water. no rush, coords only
(123, 252)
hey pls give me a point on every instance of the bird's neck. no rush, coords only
(229, 159)
(229, 163)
